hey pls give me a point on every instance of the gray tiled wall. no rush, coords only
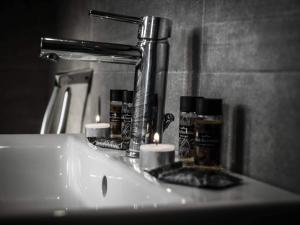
(244, 51)
(251, 59)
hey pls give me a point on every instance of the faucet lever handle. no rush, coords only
(116, 17)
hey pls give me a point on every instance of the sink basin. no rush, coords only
(65, 172)
(49, 176)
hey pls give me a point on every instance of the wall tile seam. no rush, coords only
(262, 18)
(132, 73)
(268, 42)
(247, 38)
(238, 73)
(253, 72)
(230, 72)
(111, 71)
(203, 34)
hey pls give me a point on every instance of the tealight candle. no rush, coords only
(97, 130)
(155, 155)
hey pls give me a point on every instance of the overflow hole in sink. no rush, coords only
(104, 186)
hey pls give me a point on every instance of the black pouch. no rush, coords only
(110, 143)
(195, 176)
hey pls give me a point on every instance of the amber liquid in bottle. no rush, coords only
(207, 144)
(115, 119)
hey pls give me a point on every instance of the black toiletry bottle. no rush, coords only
(186, 129)
(208, 131)
(116, 97)
(126, 114)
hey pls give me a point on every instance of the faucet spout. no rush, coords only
(53, 49)
(150, 57)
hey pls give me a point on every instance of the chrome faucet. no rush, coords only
(150, 57)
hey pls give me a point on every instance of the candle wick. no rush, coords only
(156, 138)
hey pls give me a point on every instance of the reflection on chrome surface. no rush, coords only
(150, 57)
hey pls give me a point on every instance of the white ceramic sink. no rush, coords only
(60, 174)
(65, 172)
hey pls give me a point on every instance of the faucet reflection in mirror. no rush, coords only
(150, 57)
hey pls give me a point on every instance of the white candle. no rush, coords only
(157, 147)
(97, 130)
(155, 155)
(97, 125)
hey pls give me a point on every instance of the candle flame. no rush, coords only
(98, 119)
(156, 138)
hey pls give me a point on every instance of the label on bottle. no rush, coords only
(126, 121)
(115, 120)
(186, 137)
(207, 143)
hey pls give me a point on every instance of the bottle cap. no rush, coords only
(187, 104)
(116, 95)
(200, 106)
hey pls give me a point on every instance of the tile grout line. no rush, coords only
(248, 20)
(202, 36)
(296, 72)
